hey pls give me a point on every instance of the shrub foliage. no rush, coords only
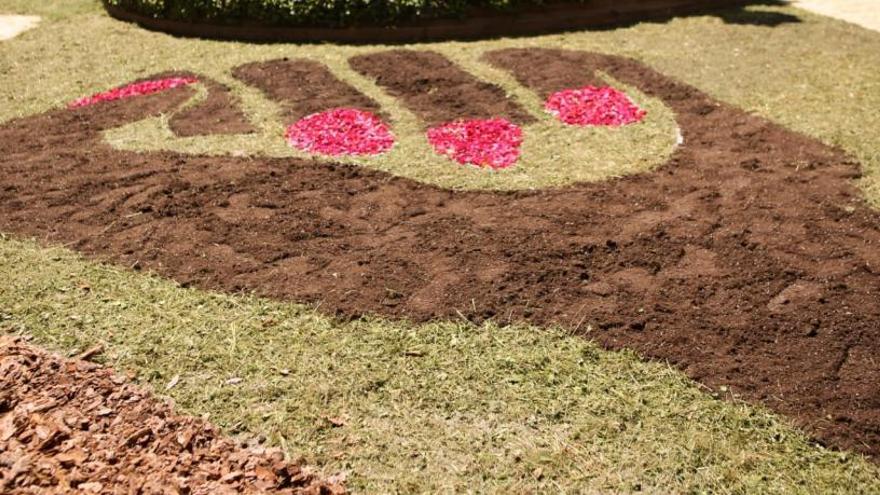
(330, 13)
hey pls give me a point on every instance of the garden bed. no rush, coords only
(474, 24)
(691, 262)
(398, 263)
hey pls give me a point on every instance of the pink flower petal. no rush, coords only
(341, 131)
(492, 143)
(134, 89)
(589, 106)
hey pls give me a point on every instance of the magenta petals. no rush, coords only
(134, 89)
(493, 143)
(341, 131)
(592, 106)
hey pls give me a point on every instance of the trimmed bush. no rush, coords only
(324, 13)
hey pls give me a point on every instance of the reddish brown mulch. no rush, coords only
(435, 89)
(69, 425)
(749, 260)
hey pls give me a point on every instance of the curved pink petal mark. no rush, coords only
(341, 131)
(492, 143)
(134, 89)
(592, 106)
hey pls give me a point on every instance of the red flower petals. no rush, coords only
(593, 106)
(134, 89)
(341, 131)
(492, 143)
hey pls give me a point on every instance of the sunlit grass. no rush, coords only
(445, 407)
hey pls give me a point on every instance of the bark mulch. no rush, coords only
(73, 426)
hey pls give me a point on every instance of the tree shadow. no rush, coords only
(751, 17)
(743, 14)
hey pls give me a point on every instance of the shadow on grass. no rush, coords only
(757, 17)
(743, 14)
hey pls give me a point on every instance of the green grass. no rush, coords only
(446, 407)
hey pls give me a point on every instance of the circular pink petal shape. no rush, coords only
(592, 106)
(492, 143)
(134, 89)
(341, 131)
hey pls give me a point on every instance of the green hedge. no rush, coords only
(329, 13)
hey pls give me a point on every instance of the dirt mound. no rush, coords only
(302, 87)
(435, 89)
(749, 259)
(219, 113)
(68, 425)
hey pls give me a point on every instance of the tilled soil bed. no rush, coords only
(749, 260)
(72, 426)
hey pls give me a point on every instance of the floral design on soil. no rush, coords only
(428, 94)
(704, 262)
(341, 131)
(492, 143)
(135, 89)
(593, 106)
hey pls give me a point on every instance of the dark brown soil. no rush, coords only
(219, 113)
(435, 89)
(302, 87)
(72, 426)
(749, 260)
